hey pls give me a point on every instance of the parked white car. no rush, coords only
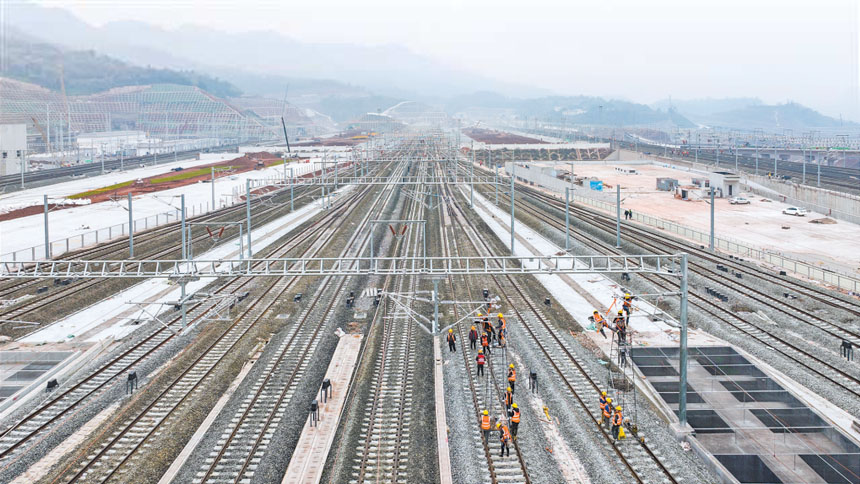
(739, 201)
(797, 212)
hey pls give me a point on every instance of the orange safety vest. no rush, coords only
(616, 419)
(509, 398)
(485, 422)
(607, 411)
(484, 341)
(512, 375)
(599, 321)
(516, 417)
(506, 434)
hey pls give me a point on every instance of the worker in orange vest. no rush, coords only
(452, 341)
(599, 323)
(617, 420)
(515, 420)
(504, 439)
(473, 337)
(606, 416)
(485, 426)
(509, 398)
(512, 377)
(481, 360)
(485, 343)
(627, 305)
(601, 404)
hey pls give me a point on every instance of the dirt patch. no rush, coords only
(156, 183)
(492, 137)
(826, 221)
(331, 142)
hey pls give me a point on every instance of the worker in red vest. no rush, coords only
(473, 337)
(481, 360)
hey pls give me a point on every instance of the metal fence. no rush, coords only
(839, 279)
(105, 234)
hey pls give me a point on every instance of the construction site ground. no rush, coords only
(760, 224)
(492, 137)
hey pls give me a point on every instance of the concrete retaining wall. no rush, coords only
(839, 205)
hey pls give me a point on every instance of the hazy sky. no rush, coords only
(643, 50)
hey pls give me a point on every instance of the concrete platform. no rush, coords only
(306, 465)
(758, 224)
(756, 429)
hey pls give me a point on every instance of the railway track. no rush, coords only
(810, 358)
(488, 394)
(386, 440)
(38, 423)
(166, 234)
(641, 462)
(244, 443)
(124, 445)
(742, 285)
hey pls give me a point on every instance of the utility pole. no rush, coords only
(496, 185)
(711, 244)
(213, 188)
(513, 177)
(566, 218)
(292, 178)
(182, 214)
(819, 172)
(682, 363)
(47, 243)
(472, 182)
(618, 216)
(23, 166)
(130, 228)
(775, 160)
(756, 152)
(248, 212)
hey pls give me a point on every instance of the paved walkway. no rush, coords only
(308, 461)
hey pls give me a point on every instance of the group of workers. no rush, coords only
(507, 434)
(611, 416)
(620, 323)
(488, 335)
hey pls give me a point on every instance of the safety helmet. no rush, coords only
(514, 405)
(627, 294)
(479, 315)
(621, 311)
(512, 365)
(608, 400)
(480, 352)
(450, 330)
(486, 412)
(498, 424)
(618, 408)
(509, 389)
(473, 327)
(501, 315)
(603, 393)
(596, 312)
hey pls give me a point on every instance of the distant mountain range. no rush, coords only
(566, 109)
(341, 80)
(87, 72)
(388, 70)
(752, 113)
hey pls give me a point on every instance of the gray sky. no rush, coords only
(805, 51)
